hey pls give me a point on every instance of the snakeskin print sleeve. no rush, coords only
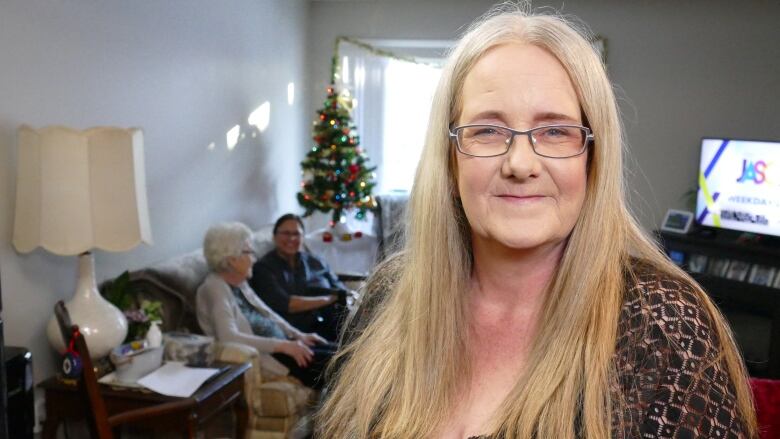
(672, 382)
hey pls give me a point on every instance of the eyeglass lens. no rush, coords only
(551, 141)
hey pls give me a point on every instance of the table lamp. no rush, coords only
(77, 191)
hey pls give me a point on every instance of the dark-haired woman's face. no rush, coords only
(520, 200)
(289, 238)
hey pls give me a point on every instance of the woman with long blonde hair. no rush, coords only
(527, 302)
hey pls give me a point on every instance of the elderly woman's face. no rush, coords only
(520, 200)
(242, 264)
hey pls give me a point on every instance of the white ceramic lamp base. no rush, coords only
(103, 325)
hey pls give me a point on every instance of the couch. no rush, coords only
(278, 404)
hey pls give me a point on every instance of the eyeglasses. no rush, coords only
(288, 234)
(553, 141)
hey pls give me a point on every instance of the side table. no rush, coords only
(63, 402)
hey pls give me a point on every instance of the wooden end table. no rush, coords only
(63, 402)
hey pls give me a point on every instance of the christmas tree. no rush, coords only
(335, 173)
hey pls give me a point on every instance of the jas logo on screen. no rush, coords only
(753, 171)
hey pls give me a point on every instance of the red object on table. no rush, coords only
(327, 237)
(766, 395)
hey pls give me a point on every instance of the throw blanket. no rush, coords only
(392, 209)
(766, 394)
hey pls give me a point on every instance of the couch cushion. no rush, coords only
(183, 273)
(281, 398)
(175, 282)
(263, 240)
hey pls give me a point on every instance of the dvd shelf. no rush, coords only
(743, 278)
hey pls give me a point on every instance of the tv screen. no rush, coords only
(739, 185)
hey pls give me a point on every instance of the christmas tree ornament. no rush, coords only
(345, 100)
(336, 173)
(327, 237)
(358, 234)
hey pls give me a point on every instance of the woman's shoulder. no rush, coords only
(376, 291)
(212, 285)
(312, 260)
(669, 359)
(666, 307)
(269, 258)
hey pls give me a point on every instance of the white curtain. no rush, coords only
(363, 74)
(393, 101)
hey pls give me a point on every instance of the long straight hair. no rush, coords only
(401, 372)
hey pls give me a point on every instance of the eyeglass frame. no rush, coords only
(251, 253)
(289, 234)
(588, 138)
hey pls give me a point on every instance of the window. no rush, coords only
(409, 91)
(393, 103)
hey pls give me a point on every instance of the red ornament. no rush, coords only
(353, 169)
(358, 234)
(327, 237)
(322, 116)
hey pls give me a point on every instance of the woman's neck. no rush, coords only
(513, 279)
(231, 278)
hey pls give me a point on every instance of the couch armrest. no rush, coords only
(266, 367)
(270, 391)
(234, 352)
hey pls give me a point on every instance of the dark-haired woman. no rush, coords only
(298, 285)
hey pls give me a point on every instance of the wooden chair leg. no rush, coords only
(50, 429)
(242, 417)
(192, 427)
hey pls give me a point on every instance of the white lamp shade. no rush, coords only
(79, 190)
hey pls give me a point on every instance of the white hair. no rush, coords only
(223, 241)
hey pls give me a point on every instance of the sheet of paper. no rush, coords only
(176, 379)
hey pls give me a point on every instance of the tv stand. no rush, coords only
(752, 309)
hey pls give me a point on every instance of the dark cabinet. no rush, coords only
(743, 278)
(20, 400)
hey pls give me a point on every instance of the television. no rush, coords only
(739, 185)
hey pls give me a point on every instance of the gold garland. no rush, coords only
(335, 70)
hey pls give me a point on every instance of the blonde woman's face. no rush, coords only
(520, 200)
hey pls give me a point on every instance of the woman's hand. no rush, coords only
(312, 339)
(297, 350)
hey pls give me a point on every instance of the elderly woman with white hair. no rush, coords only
(229, 310)
(527, 302)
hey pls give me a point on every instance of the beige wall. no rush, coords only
(185, 71)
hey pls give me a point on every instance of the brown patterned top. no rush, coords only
(668, 371)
